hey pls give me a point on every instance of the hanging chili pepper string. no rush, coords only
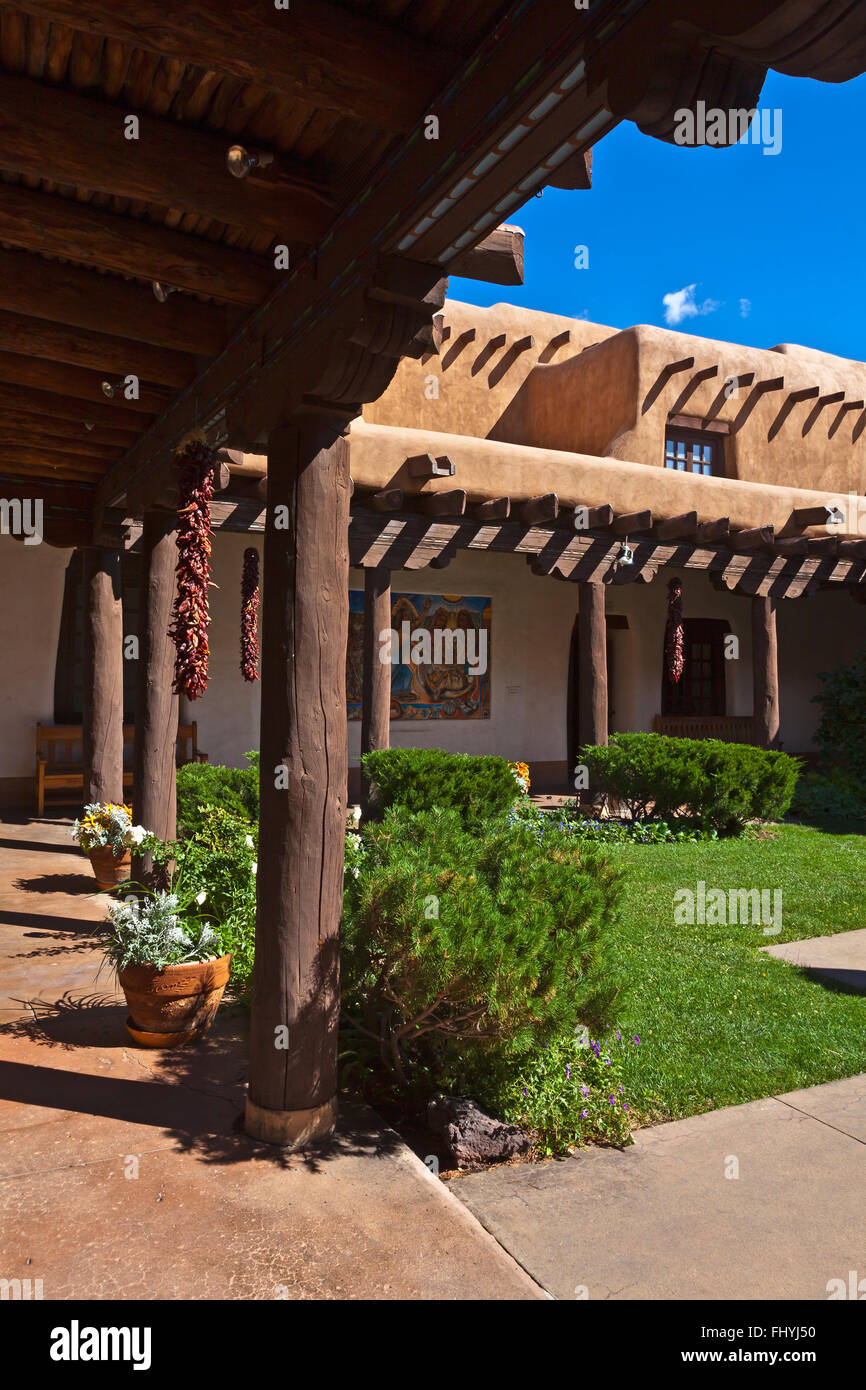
(191, 615)
(250, 615)
(674, 633)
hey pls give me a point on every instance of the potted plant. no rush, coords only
(169, 964)
(106, 833)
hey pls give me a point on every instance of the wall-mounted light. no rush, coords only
(162, 291)
(109, 388)
(626, 554)
(241, 162)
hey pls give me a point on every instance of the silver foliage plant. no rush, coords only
(154, 933)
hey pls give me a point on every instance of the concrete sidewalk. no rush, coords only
(123, 1171)
(838, 960)
(668, 1218)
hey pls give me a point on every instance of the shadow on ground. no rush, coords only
(194, 1094)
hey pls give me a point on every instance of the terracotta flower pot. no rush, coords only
(109, 870)
(175, 1005)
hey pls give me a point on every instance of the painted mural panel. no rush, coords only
(429, 680)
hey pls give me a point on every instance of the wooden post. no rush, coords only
(592, 665)
(376, 678)
(102, 729)
(304, 766)
(765, 672)
(154, 762)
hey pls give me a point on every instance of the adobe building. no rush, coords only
(531, 449)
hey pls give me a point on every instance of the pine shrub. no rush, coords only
(477, 788)
(717, 785)
(459, 942)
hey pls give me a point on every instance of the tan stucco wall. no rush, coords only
(488, 468)
(532, 620)
(605, 393)
(31, 581)
(468, 386)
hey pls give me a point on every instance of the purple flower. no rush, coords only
(618, 1036)
(620, 1090)
(568, 1071)
(584, 1114)
(524, 1090)
(611, 1100)
(584, 1090)
(624, 1106)
(635, 1040)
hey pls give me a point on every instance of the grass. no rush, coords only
(720, 1022)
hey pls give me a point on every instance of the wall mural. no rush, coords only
(440, 656)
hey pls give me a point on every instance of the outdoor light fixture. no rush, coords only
(626, 554)
(162, 291)
(109, 388)
(240, 162)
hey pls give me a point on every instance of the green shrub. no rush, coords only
(567, 1094)
(204, 786)
(459, 944)
(717, 785)
(215, 869)
(828, 798)
(841, 734)
(423, 778)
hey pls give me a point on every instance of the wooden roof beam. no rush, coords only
(33, 337)
(20, 370)
(753, 538)
(61, 227)
(100, 421)
(103, 304)
(497, 260)
(318, 53)
(49, 133)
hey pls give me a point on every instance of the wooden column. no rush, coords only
(304, 766)
(156, 716)
(765, 672)
(102, 729)
(376, 677)
(592, 665)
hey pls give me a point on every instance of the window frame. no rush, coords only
(712, 439)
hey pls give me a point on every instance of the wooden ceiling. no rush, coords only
(337, 92)
(90, 219)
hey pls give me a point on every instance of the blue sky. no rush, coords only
(784, 232)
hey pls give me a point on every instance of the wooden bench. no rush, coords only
(60, 764)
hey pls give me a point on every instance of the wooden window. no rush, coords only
(701, 688)
(695, 451)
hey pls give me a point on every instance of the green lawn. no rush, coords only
(719, 1022)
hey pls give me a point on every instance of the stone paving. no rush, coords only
(124, 1173)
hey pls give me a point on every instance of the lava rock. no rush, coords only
(470, 1136)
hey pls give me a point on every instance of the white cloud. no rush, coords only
(681, 304)
(745, 308)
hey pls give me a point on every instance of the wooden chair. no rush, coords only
(60, 759)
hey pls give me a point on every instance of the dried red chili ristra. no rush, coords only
(249, 615)
(191, 616)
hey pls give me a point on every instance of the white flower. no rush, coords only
(356, 812)
(254, 867)
(249, 842)
(136, 834)
(200, 897)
